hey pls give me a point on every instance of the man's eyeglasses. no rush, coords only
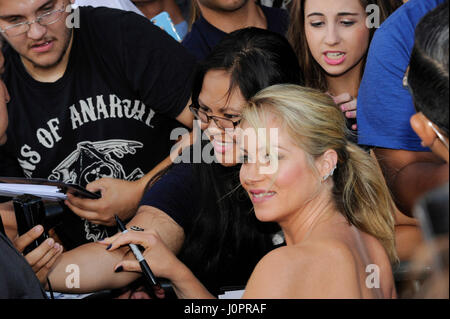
(221, 122)
(44, 20)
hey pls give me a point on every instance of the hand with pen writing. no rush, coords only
(160, 258)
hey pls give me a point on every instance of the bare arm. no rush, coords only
(96, 264)
(410, 175)
(163, 263)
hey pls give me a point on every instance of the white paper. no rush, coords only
(234, 294)
(44, 191)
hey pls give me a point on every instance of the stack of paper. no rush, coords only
(44, 191)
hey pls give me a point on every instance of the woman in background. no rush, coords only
(331, 39)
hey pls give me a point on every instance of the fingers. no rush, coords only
(98, 185)
(109, 240)
(93, 217)
(23, 241)
(43, 272)
(349, 109)
(350, 115)
(349, 106)
(146, 240)
(128, 265)
(343, 98)
(43, 254)
(82, 204)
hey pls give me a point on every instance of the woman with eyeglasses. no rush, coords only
(197, 207)
(223, 241)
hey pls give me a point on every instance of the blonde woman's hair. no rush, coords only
(316, 125)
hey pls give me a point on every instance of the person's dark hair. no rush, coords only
(428, 68)
(314, 74)
(254, 58)
(226, 226)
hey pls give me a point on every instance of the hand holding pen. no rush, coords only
(161, 257)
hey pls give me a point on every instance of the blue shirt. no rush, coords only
(204, 36)
(384, 105)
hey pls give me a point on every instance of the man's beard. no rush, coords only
(60, 58)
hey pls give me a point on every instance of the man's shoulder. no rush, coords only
(276, 12)
(199, 40)
(277, 18)
(402, 23)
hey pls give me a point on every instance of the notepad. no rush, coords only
(45, 192)
(45, 189)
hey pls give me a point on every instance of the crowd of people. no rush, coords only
(356, 90)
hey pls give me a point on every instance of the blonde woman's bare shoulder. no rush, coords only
(323, 269)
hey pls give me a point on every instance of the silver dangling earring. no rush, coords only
(329, 175)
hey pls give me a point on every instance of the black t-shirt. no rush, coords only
(17, 279)
(110, 115)
(203, 36)
(178, 193)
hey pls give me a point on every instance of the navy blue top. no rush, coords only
(204, 36)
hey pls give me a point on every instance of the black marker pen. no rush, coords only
(142, 262)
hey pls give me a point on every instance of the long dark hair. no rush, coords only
(225, 233)
(313, 72)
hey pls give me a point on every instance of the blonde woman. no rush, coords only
(327, 195)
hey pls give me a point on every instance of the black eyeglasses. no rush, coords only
(221, 122)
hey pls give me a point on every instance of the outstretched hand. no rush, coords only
(43, 257)
(119, 198)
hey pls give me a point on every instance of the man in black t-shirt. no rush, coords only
(94, 95)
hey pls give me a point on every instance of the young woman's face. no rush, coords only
(337, 34)
(216, 100)
(279, 193)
